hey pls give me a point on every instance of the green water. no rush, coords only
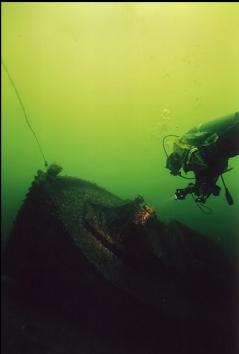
(103, 83)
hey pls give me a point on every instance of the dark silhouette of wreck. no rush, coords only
(104, 261)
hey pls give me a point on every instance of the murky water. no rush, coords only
(103, 83)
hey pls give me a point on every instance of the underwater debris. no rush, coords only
(53, 170)
(91, 257)
(69, 229)
(143, 215)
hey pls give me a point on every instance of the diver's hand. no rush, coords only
(181, 194)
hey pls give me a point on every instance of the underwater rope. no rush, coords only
(203, 208)
(166, 137)
(24, 112)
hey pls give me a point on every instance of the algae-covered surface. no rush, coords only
(80, 254)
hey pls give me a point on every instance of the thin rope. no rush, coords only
(166, 137)
(24, 112)
(203, 208)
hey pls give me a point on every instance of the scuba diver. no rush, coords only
(205, 150)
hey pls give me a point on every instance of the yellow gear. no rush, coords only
(181, 148)
(189, 154)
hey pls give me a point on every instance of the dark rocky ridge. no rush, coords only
(86, 253)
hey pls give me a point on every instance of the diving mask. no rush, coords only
(176, 160)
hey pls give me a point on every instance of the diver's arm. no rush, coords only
(205, 150)
(224, 130)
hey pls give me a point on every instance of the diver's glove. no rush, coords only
(181, 193)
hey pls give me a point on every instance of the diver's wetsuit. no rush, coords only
(205, 150)
(227, 131)
(217, 141)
